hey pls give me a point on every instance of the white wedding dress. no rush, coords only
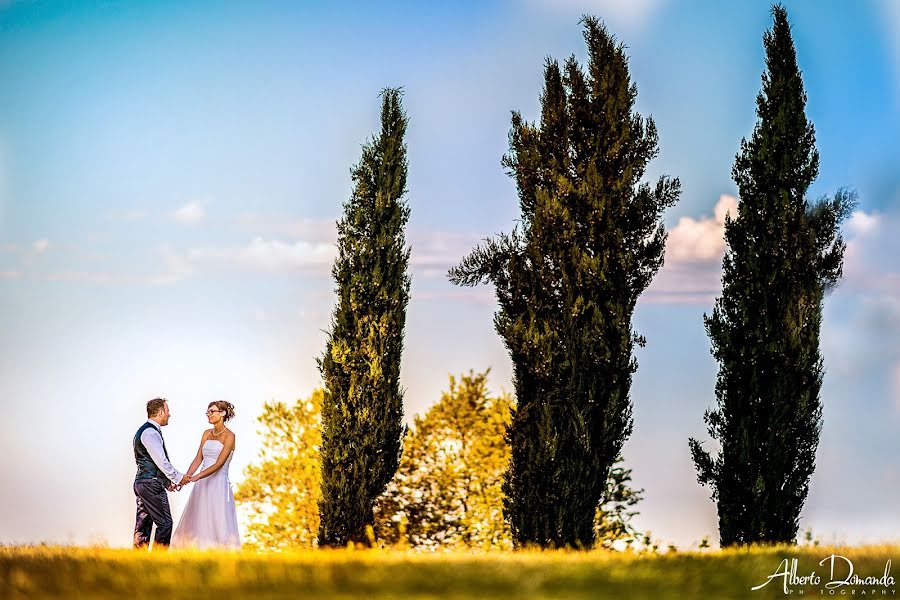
(209, 519)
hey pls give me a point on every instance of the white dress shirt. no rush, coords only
(153, 442)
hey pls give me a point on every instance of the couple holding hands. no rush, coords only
(209, 519)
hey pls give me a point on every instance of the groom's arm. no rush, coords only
(153, 443)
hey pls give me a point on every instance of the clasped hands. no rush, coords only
(176, 487)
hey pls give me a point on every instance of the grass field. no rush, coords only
(53, 572)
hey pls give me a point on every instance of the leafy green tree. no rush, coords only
(447, 491)
(567, 281)
(783, 254)
(280, 494)
(362, 411)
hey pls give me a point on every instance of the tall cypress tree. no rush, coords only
(590, 241)
(362, 410)
(783, 254)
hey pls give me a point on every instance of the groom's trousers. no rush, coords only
(152, 507)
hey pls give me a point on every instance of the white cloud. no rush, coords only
(862, 227)
(190, 214)
(693, 267)
(703, 239)
(861, 223)
(870, 260)
(267, 255)
(41, 246)
(434, 252)
(312, 230)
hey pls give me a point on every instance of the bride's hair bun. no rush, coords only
(224, 406)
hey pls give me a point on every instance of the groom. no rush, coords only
(155, 475)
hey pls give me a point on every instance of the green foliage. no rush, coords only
(612, 524)
(447, 491)
(567, 280)
(362, 410)
(280, 494)
(809, 539)
(783, 254)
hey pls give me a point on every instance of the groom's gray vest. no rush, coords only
(146, 468)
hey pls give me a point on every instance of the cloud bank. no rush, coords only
(692, 270)
(191, 213)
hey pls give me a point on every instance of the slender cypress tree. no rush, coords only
(783, 254)
(362, 411)
(591, 239)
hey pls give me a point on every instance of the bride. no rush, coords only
(209, 518)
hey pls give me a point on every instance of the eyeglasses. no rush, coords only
(212, 412)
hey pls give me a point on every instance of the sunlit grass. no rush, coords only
(61, 572)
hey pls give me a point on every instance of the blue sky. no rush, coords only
(170, 174)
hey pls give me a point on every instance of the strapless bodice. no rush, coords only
(211, 451)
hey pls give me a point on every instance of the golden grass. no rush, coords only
(61, 572)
